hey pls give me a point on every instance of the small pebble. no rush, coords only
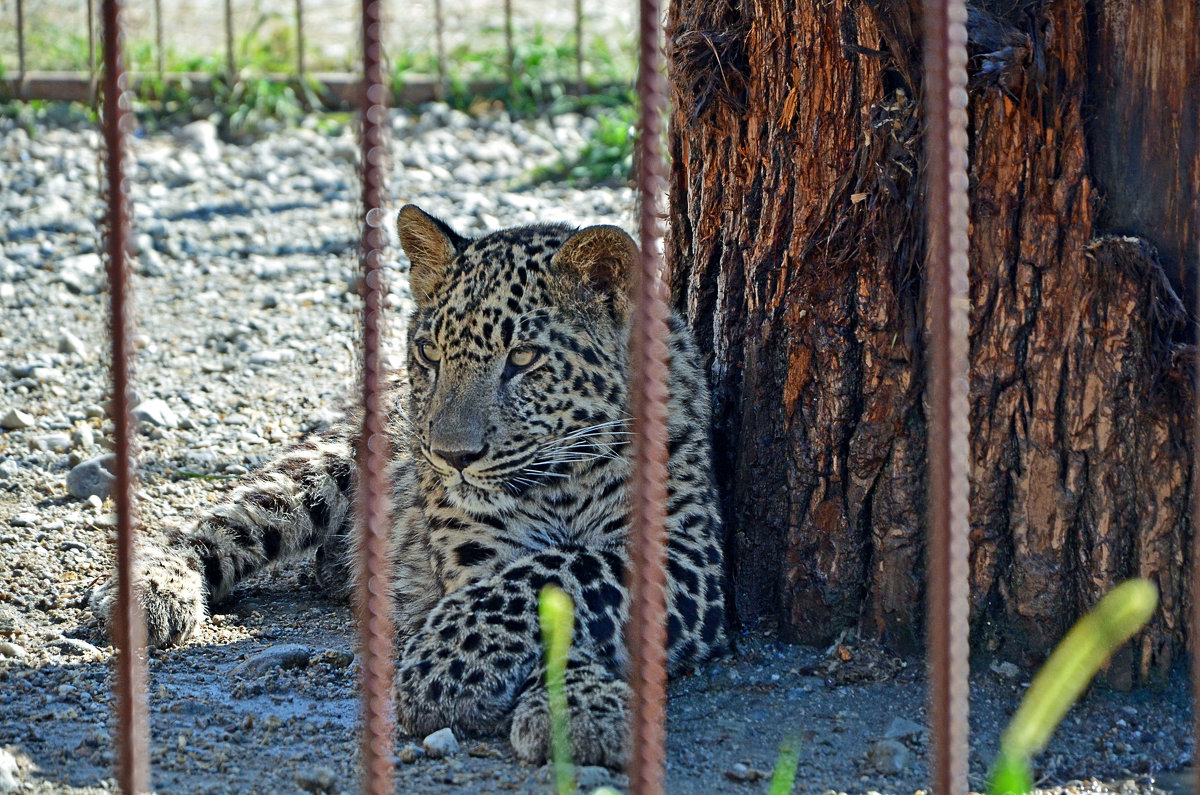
(92, 478)
(15, 420)
(83, 437)
(284, 655)
(441, 743)
(70, 344)
(24, 519)
(316, 779)
(10, 649)
(887, 757)
(743, 772)
(54, 442)
(156, 412)
(902, 728)
(75, 647)
(1005, 670)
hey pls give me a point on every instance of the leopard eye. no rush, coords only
(523, 356)
(428, 352)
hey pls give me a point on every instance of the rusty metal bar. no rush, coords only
(510, 52)
(159, 50)
(579, 44)
(343, 88)
(91, 37)
(300, 38)
(21, 48)
(439, 23)
(647, 634)
(128, 629)
(230, 61)
(946, 268)
(374, 602)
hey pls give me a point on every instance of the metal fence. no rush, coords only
(339, 87)
(946, 269)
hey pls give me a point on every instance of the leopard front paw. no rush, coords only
(170, 591)
(439, 685)
(464, 667)
(598, 725)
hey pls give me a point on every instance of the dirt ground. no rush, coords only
(220, 729)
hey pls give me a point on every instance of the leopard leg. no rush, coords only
(477, 648)
(598, 709)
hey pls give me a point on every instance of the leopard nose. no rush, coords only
(461, 459)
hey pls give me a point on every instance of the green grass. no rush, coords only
(606, 159)
(1064, 677)
(557, 615)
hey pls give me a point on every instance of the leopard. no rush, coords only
(511, 442)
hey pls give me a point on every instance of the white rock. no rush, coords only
(83, 437)
(10, 649)
(440, 744)
(200, 137)
(16, 419)
(8, 772)
(54, 442)
(78, 272)
(23, 519)
(270, 356)
(155, 411)
(92, 478)
(70, 344)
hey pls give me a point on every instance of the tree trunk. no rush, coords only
(797, 219)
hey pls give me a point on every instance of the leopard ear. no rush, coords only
(603, 256)
(430, 245)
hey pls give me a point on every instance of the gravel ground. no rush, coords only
(247, 337)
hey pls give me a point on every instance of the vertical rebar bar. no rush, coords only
(128, 629)
(159, 50)
(20, 48)
(946, 268)
(91, 37)
(230, 61)
(579, 45)
(510, 54)
(439, 23)
(373, 590)
(300, 39)
(649, 361)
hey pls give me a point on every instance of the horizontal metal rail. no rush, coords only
(341, 89)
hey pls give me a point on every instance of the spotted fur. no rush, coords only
(512, 445)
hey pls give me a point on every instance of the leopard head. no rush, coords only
(517, 353)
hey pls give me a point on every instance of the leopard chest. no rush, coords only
(587, 510)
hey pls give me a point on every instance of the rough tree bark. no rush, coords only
(796, 235)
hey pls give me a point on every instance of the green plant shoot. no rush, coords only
(557, 615)
(1060, 682)
(784, 776)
